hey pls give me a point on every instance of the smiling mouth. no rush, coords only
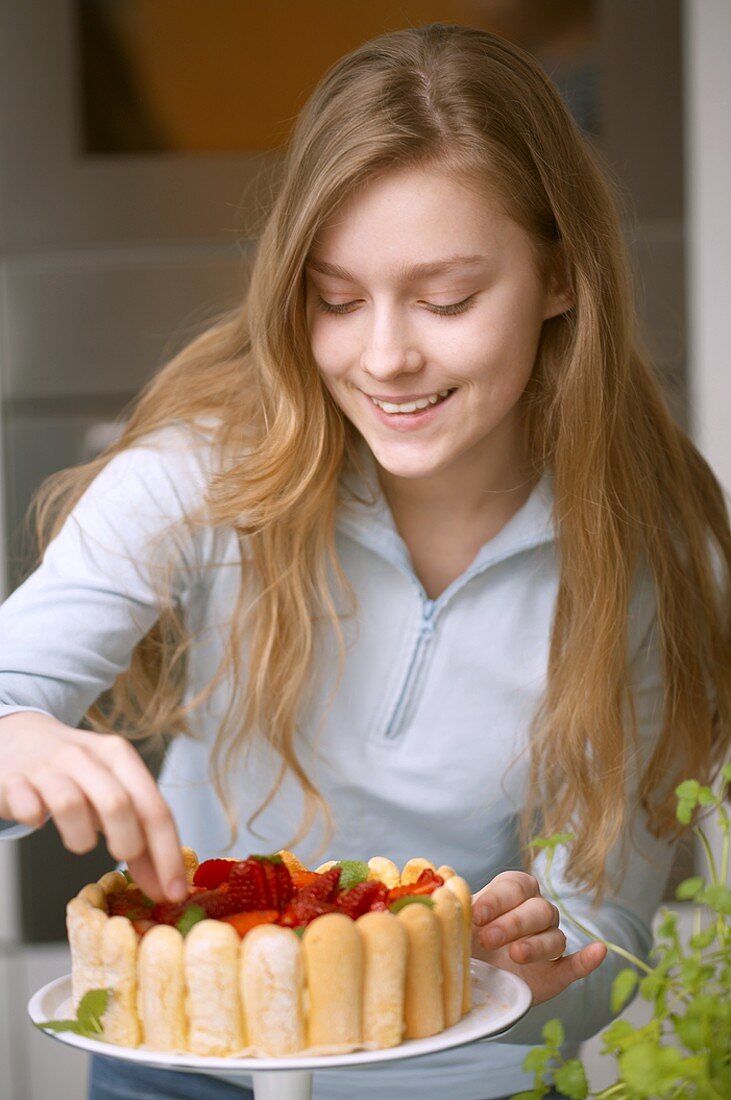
(408, 408)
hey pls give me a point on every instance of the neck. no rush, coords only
(477, 491)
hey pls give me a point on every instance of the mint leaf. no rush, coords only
(352, 873)
(192, 914)
(623, 987)
(273, 858)
(718, 897)
(571, 1081)
(703, 939)
(89, 1014)
(92, 1007)
(536, 1060)
(128, 876)
(397, 905)
(553, 1033)
(689, 887)
(650, 1070)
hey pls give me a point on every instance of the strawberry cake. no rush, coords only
(268, 958)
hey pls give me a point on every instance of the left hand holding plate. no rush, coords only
(516, 929)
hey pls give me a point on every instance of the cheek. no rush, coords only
(328, 351)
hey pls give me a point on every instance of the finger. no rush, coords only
(160, 831)
(22, 802)
(503, 893)
(109, 799)
(546, 947)
(143, 872)
(580, 963)
(68, 808)
(533, 916)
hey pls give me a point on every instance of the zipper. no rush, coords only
(408, 688)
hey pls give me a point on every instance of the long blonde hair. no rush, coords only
(629, 486)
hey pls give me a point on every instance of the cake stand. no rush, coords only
(499, 999)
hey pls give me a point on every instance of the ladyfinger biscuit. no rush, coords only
(413, 868)
(119, 960)
(325, 867)
(445, 871)
(161, 989)
(113, 882)
(333, 957)
(385, 871)
(93, 895)
(85, 923)
(385, 948)
(271, 985)
(451, 927)
(190, 862)
(464, 895)
(211, 979)
(424, 1007)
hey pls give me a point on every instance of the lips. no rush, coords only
(407, 406)
(411, 420)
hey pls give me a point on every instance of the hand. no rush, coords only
(516, 929)
(88, 783)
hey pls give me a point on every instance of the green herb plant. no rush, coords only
(685, 1049)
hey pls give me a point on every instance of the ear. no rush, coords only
(557, 302)
(559, 298)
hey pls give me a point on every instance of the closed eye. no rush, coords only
(443, 311)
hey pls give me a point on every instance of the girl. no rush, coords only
(408, 554)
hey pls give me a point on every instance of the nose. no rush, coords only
(389, 349)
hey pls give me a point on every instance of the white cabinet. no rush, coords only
(34, 1065)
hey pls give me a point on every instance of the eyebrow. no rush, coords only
(407, 272)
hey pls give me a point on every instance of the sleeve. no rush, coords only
(69, 630)
(625, 916)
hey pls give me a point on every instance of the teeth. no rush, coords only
(410, 406)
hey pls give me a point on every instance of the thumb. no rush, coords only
(577, 965)
(564, 971)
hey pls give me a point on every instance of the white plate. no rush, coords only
(499, 1000)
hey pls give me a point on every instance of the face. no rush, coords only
(425, 309)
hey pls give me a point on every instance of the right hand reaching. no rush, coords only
(88, 783)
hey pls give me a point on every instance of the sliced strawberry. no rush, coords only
(248, 887)
(243, 922)
(285, 889)
(301, 910)
(131, 903)
(218, 903)
(426, 884)
(325, 887)
(362, 898)
(168, 912)
(269, 876)
(212, 872)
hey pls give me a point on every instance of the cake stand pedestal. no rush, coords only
(288, 1084)
(499, 1000)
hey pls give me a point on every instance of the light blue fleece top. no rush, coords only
(415, 753)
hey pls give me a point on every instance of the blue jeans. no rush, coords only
(113, 1079)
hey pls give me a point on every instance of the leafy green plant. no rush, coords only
(685, 1049)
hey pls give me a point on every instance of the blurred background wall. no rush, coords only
(138, 140)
